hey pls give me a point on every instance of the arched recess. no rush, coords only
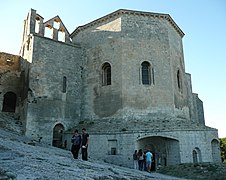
(58, 135)
(165, 150)
(9, 102)
(196, 155)
(215, 150)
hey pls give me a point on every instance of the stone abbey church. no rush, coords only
(121, 76)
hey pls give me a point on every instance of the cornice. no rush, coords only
(120, 12)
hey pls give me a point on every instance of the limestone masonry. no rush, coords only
(122, 77)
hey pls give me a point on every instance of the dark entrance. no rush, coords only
(9, 102)
(58, 136)
(166, 151)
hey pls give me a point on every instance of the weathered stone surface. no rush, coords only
(23, 161)
(61, 85)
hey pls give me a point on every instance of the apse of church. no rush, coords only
(122, 77)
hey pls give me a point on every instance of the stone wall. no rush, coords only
(10, 79)
(9, 74)
(60, 87)
(100, 47)
(133, 40)
(164, 115)
(54, 87)
(175, 146)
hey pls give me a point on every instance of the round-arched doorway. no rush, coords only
(165, 150)
(196, 155)
(58, 135)
(9, 102)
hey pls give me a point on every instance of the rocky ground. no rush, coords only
(201, 171)
(23, 159)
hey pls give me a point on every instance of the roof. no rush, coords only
(130, 12)
(58, 20)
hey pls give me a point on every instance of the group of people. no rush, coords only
(80, 141)
(142, 160)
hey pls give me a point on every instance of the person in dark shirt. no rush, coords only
(85, 142)
(135, 159)
(76, 143)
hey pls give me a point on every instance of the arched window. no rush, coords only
(179, 84)
(9, 102)
(146, 72)
(106, 74)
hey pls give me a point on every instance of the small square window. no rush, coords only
(113, 151)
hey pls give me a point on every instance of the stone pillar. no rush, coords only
(31, 21)
(67, 38)
(41, 27)
(55, 34)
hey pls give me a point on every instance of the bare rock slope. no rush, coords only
(21, 159)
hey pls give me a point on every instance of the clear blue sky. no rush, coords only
(202, 21)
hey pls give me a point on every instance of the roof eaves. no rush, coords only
(125, 11)
(92, 23)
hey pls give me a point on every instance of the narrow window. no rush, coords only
(106, 74)
(146, 73)
(113, 151)
(179, 80)
(64, 84)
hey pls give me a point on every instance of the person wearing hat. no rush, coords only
(85, 142)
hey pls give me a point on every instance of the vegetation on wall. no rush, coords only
(223, 148)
